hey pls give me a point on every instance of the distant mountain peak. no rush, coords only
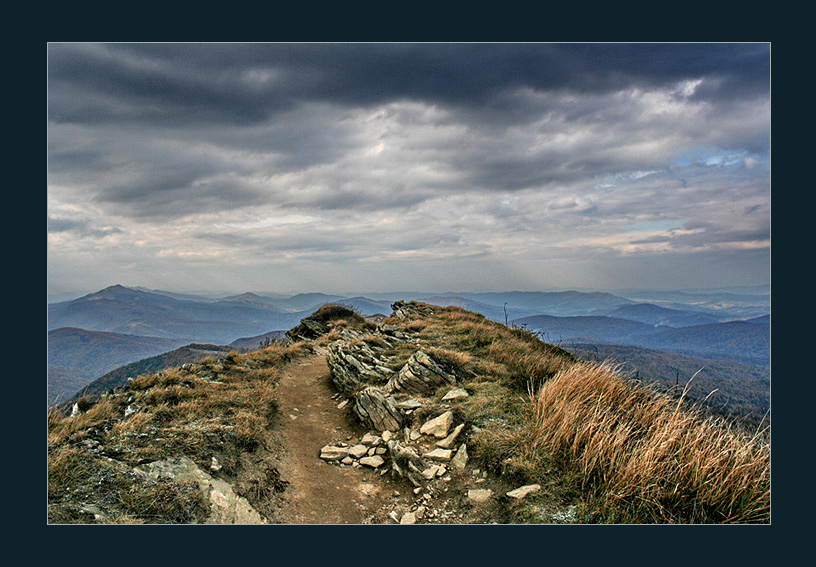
(249, 298)
(113, 291)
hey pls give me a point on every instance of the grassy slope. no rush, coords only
(119, 377)
(635, 454)
(535, 414)
(215, 408)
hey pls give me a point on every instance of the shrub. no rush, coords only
(335, 312)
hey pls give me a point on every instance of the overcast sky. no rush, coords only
(347, 168)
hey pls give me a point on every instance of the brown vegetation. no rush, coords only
(213, 408)
(634, 454)
(644, 455)
(625, 452)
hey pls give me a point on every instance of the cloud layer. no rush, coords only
(340, 167)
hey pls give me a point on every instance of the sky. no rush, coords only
(354, 167)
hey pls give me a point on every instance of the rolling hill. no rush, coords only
(119, 376)
(595, 328)
(123, 310)
(244, 320)
(728, 387)
(661, 316)
(733, 340)
(560, 303)
(78, 356)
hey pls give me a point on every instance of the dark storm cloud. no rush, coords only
(295, 104)
(246, 83)
(390, 153)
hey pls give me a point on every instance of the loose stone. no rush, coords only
(455, 394)
(438, 426)
(358, 451)
(439, 455)
(332, 453)
(450, 440)
(373, 462)
(523, 491)
(479, 495)
(461, 458)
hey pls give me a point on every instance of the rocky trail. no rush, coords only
(362, 443)
(319, 493)
(337, 473)
(368, 428)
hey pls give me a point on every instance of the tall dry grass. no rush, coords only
(645, 456)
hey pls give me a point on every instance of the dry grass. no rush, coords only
(489, 348)
(632, 454)
(645, 455)
(218, 408)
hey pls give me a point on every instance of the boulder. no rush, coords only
(373, 462)
(449, 441)
(431, 472)
(371, 440)
(439, 455)
(333, 453)
(455, 394)
(358, 451)
(479, 495)
(226, 507)
(460, 459)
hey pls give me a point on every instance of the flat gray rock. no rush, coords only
(439, 455)
(358, 451)
(479, 495)
(455, 394)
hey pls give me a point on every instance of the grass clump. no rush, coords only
(327, 317)
(644, 456)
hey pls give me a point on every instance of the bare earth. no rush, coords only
(320, 493)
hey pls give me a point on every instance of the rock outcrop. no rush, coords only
(376, 410)
(354, 365)
(420, 375)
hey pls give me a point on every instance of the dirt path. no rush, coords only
(318, 492)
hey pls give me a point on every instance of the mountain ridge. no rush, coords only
(443, 417)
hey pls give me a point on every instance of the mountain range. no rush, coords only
(744, 341)
(100, 331)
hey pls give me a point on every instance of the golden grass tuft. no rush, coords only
(645, 453)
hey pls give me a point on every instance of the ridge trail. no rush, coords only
(320, 493)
